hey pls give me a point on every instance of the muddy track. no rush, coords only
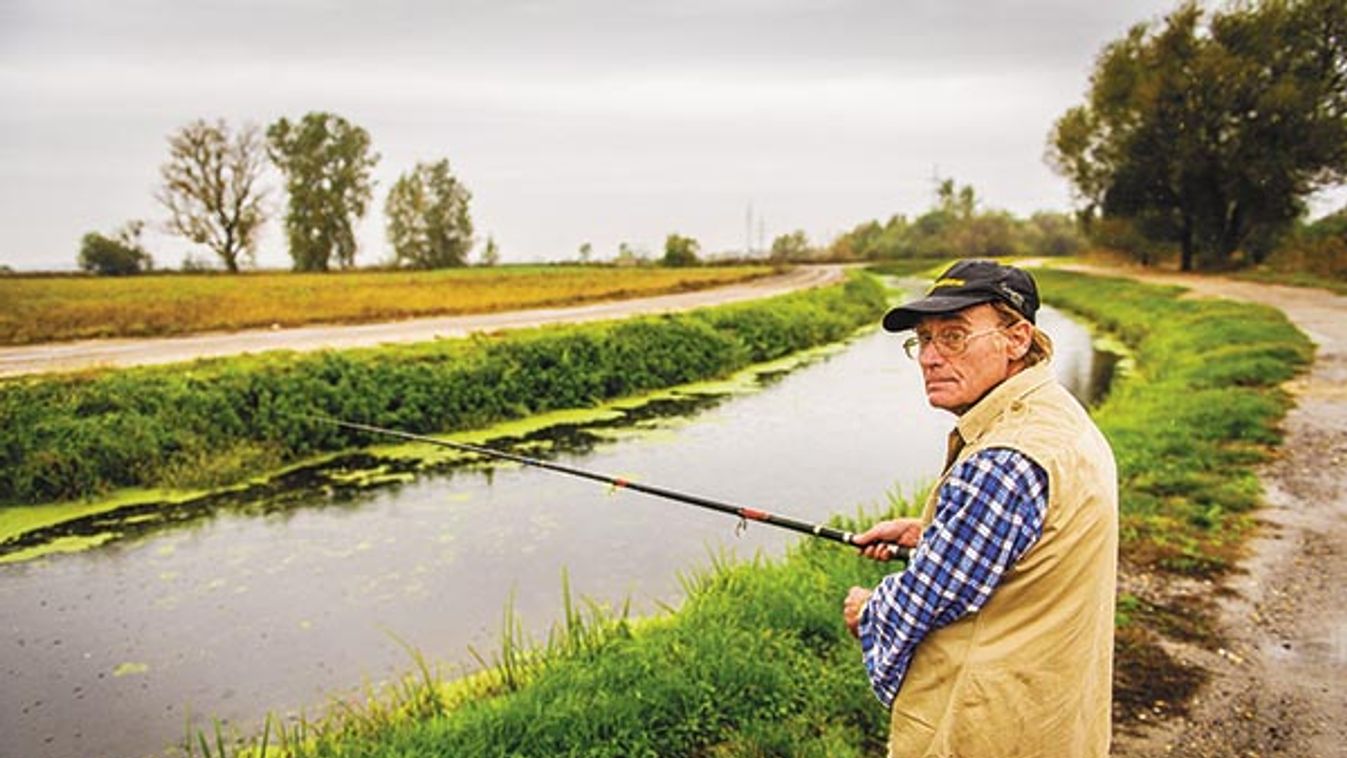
(1275, 682)
(86, 354)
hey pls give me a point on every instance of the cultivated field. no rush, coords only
(54, 308)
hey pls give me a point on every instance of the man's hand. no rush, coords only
(874, 541)
(852, 607)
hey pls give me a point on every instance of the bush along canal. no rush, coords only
(279, 599)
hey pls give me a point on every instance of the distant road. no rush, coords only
(74, 356)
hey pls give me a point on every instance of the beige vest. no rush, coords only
(1031, 673)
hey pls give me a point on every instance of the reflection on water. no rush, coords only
(285, 595)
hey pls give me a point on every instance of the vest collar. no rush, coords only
(977, 420)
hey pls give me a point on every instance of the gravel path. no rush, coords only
(75, 356)
(1278, 686)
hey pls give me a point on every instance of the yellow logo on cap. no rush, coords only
(946, 283)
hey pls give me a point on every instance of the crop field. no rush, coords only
(54, 308)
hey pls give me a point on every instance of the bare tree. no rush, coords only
(211, 188)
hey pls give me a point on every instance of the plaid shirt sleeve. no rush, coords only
(990, 511)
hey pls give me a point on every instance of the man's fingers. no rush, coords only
(883, 551)
(865, 537)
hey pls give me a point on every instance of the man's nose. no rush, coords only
(928, 355)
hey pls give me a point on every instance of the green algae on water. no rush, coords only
(30, 532)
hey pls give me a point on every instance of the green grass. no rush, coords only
(1200, 411)
(757, 662)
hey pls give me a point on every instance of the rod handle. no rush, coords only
(896, 551)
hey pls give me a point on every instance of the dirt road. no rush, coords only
(74, 356)
(1278, 684)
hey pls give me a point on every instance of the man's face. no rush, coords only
(954, 382)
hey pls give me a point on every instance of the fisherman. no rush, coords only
(997, 637)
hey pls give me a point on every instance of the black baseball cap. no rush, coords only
(965, 284)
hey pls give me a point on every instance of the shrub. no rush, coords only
(115, 256)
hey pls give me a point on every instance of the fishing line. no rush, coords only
(745, 514)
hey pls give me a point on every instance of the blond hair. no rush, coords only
(1040, 344)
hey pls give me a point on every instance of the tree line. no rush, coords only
(1202, 137)
(1205, 134)
(955, 226)
(211, 187)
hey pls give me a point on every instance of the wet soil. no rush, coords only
(1254, 663)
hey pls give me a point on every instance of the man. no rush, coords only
(997, 638)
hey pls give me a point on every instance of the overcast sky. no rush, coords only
(598, 121)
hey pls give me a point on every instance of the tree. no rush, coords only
(119, 255)
(1208, 137)
(491, 254)
(680, 251)
(211, 188)
(326, 162)
(586, 250)
(960, 202)
(427, 216)
(789, 247)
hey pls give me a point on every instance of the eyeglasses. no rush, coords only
(950, 342)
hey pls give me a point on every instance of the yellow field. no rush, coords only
(45, 309)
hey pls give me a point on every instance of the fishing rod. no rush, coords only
(745, 514)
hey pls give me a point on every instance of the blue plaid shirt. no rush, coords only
(990, 511)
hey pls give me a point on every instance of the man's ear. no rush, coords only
(1021, 336)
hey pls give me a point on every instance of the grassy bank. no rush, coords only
(756, 662)
(1201, 410)
(215, 422)
(51, 308)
